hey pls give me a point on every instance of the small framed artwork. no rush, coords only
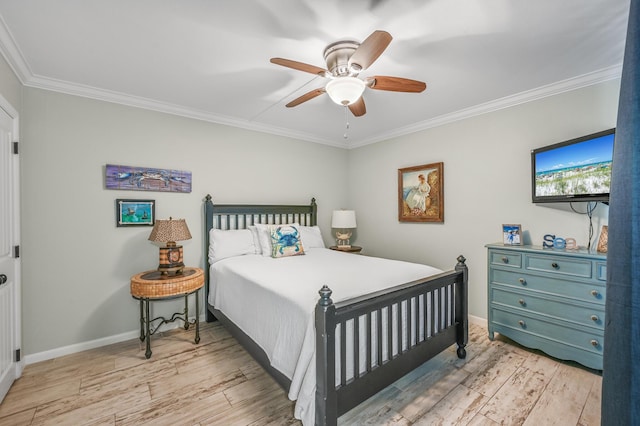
(511, 234)
(135, 212)
(421, 193)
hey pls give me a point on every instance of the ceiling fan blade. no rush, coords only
(395, 84)
(300, 66)
(369, 50)
(358, 108)
(304, 98)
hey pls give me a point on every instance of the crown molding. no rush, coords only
(590, 79)
(19, 65)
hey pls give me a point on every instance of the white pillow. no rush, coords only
(256, 239)
(236, 242)
(311, 237)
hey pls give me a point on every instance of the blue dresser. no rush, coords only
(547, 299)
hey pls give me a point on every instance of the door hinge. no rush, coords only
(17, 355)
(15, 147)
(16, 252)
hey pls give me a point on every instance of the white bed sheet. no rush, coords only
(273, 301)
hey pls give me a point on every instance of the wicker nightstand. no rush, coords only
(150, 286)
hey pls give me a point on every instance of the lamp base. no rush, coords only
(171, 260)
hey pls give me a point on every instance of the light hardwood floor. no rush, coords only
(217, 383)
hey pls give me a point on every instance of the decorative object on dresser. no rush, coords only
(343, 221)
(511, 234)
(552, 300)
(603, 241)
(135, 212)
(150, 286)
(421, 193)
(426, 314)
(169, 231)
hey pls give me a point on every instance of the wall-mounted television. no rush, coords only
(574, 170)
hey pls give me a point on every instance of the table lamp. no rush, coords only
(169, 231)
(343, 221)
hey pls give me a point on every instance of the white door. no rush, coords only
(10, 365)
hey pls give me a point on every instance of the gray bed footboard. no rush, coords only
(423, 318)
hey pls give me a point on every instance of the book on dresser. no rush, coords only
(548, 299)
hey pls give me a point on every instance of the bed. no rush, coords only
(331, 328)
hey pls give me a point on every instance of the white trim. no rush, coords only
(567, 85)
(16, 60)
(97, 343)
(477, 321)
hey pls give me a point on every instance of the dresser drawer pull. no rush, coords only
(522, 302)
(594, 318)
(594, 342)
(595, 293)
(505, 259)
(554, 265)
(522, 324)
(522, 281)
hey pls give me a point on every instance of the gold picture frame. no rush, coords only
(421, 193)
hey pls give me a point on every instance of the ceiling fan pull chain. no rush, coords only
(346, 123)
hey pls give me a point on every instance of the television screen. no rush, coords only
(574, 170)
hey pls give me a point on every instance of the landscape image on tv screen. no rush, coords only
(575, 169)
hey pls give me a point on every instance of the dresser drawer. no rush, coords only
(557, 265)
(562, 334)
(528, 302)
(586, 292)
(601, 271)
(502, 258)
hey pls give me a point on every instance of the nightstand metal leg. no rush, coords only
(147, 353)
(141, 321)
(197, 316)
(186, 311)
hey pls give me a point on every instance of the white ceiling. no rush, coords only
(210, 59)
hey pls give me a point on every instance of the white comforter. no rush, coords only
(273, 301)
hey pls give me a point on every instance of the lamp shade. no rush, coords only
(170, 230)
(343, 219)
(345, 90)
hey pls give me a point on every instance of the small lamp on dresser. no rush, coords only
(343, 221)
(169, 231)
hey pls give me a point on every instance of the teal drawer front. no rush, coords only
(578, 338)
(586, 292)
(601, 271)
(559, 265)
(502, 258)
(588, 316)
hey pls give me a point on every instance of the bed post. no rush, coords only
(326, 396)
(208, 224)
(462, 307)
(314, 212)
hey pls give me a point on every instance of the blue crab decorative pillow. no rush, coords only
(285, 241)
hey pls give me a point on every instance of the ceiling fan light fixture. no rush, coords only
(345, 90)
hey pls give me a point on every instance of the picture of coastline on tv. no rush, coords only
(575, 170)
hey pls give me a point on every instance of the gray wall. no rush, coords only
(486, 183)
(76, 263)
(10, 87)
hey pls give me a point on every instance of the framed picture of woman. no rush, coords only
(421, 194)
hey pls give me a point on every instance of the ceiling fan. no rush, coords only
(345, 60)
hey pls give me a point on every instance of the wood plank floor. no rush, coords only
(217, 383)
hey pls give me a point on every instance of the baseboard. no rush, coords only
(477, 321)
(92, 344)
